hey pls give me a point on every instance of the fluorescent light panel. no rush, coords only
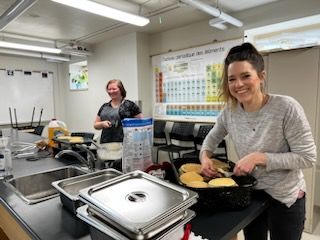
(53, 57)
(105, 11)
(34, 55)
(218, 23)
(29, 47)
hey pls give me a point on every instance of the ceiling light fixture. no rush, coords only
(26, 47)
(105, 11)
(214, 12)
(34, 55)
(14, 11)
(218, 23)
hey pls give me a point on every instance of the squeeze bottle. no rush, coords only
(56, 128)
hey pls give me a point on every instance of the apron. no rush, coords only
(110, 151)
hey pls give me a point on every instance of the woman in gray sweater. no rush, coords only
(272, 139)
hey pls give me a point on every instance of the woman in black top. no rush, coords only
(111, 113)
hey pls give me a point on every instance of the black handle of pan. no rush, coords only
(175, 172)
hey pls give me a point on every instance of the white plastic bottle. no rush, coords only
(2, 161)
(55, 126)
(5, 162)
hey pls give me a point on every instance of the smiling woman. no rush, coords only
(111, 114)
(263, 128)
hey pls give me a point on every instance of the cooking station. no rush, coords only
(49, 220)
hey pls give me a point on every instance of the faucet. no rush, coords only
(90, 161)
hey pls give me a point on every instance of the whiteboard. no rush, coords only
(25, 90)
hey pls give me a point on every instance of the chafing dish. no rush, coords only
(137, 204)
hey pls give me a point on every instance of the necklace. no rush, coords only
(254, 116)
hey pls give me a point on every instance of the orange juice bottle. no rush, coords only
(56, 128)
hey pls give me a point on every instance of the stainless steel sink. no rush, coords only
(37, 187)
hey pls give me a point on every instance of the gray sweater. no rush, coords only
(279, 129)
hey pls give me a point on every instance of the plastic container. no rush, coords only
(5, 162)
(2, 162)
(8, 162)
(4, 142)
(56, 128)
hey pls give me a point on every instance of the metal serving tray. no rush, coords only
(159, 227)
(69, 188)
(137, 203)
(102, 230)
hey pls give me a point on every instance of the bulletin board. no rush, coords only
(24, 91)
(186, 82)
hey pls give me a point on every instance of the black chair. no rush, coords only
(181, 132)
(159, 135)
(221, 151)
(198, 140)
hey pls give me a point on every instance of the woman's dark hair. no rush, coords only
(120, 86)
(243, 52)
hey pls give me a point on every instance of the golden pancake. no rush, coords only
(191, 167)
(219, 164)
(197, 184)
(190, 177)
(222, 182)
(63, 137)
(76, 140)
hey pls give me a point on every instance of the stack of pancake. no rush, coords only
(71, 139)
(190, 176)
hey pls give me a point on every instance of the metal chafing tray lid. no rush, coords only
(137, 200)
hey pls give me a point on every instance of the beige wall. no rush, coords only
(296, 73)
(144, 74)
(116, 58)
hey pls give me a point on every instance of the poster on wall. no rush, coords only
(78, 76)
(186, 82)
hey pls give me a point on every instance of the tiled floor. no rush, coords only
(305, 236)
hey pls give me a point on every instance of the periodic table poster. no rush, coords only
(186, 82)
